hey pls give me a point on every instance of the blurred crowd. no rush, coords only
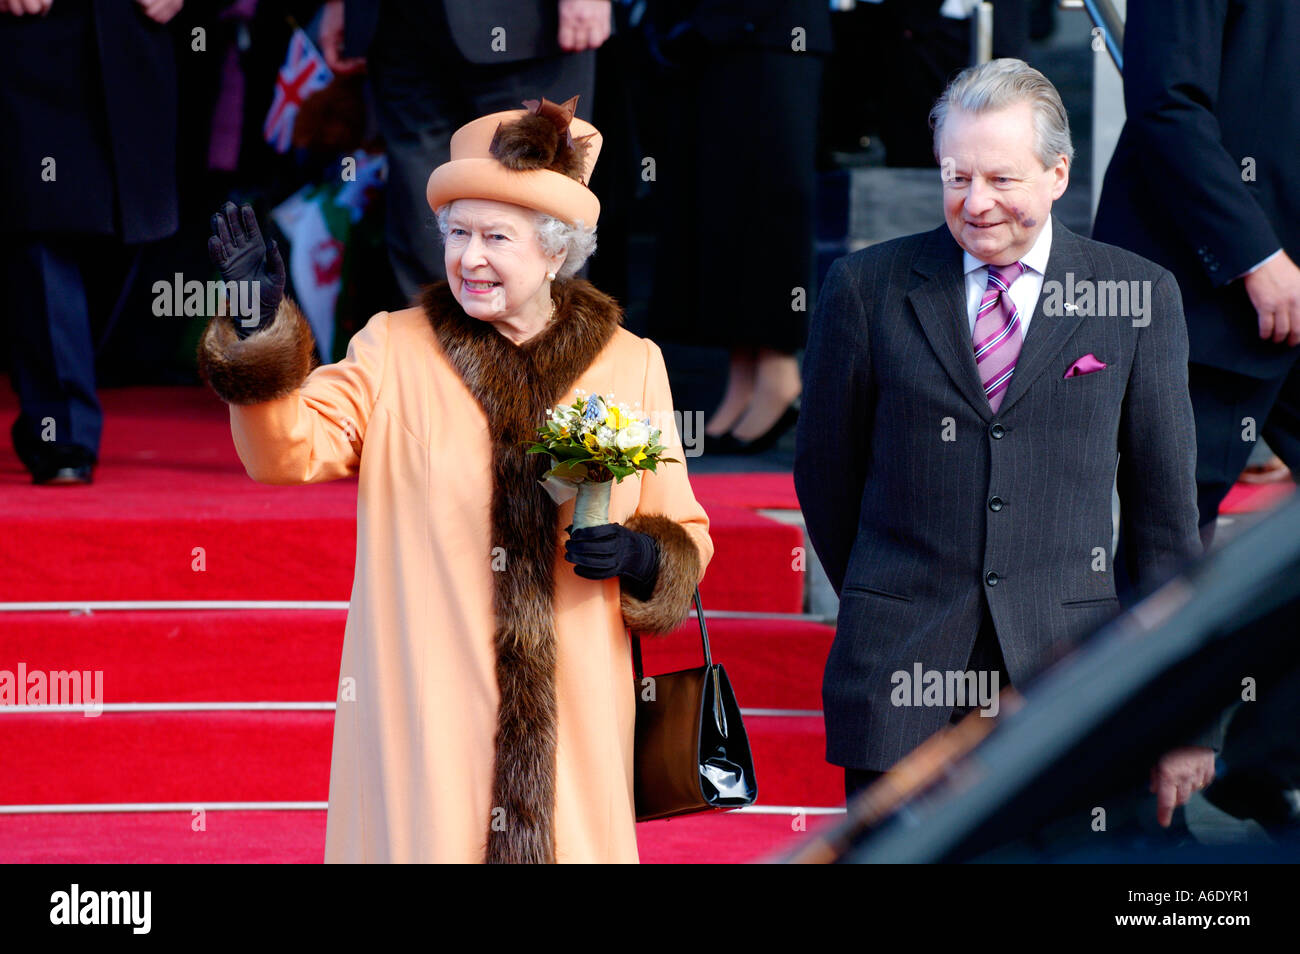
(130, 122)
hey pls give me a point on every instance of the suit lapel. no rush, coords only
(1068, 264)
(940, 304)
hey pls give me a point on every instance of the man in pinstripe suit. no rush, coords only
(971, 394)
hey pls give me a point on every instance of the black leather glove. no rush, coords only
(611, 549)
(237, 249)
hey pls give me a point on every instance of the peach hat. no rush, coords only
(539, 157)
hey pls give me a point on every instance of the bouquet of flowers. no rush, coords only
(595, 442)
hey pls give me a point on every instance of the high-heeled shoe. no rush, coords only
(730, 444)
(721, 444)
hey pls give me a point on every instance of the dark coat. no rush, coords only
(532, 26)
(904, 521)
(91, 86)
(1208, 84)
(742, 84)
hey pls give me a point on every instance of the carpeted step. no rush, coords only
(68, 758)
(172, 516)
(293, 655)
(1250, 498)
(269, 553)
(298, 837)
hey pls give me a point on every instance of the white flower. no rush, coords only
(605, 435)
(635, 434)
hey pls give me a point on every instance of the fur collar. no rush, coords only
(515, 385)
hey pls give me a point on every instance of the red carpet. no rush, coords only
(298, 837)
(285, 756)
(1249, 498)
(293, 656)
(169, 482)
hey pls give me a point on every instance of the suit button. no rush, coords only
(1214, 267)
(991, 578)
(996, 432)
(995, 504)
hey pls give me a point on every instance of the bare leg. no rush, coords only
(776, 386)
(740, 388)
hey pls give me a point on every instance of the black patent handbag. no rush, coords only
(692, 754)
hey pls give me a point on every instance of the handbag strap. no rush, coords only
(704, 640)
(719, 713)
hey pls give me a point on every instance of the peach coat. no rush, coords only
(412, 768)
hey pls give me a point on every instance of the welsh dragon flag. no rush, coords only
(317, 221)
(317, 231)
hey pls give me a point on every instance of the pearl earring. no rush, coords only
(550, 276)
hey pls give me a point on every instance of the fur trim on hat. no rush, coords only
(540, 139)
(266, 365)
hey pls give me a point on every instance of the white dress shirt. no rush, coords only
(1024, 290)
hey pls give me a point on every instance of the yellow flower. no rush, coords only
(616, 419)
(589, 441)
(638, 456)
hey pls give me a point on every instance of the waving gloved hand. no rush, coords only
(237, 249)
(611, 549)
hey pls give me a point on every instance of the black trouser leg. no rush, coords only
(53, 348)
(1227, 406)
(855, 780)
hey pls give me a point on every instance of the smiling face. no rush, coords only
(495, 265)
(996, 193)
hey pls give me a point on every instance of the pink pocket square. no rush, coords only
(1085, 365)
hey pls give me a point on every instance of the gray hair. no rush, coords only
(554, 235)
(1005, 82)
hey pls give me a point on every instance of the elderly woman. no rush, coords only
(487, 701)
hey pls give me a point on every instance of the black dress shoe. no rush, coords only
(768, 438)
(722, 444)
(72, 474)
(52, 463)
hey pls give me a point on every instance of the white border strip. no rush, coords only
(113, 807)
(175, 707)
(123, 807)
(92, 606)
(284, 707)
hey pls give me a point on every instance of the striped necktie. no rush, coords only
(997, 333)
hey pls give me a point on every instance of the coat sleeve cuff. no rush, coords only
(679, 573)
(268, 364)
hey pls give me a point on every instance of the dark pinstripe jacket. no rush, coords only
(899, 460)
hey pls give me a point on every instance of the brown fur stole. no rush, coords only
(516, 385)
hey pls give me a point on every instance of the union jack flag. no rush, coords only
(303, 73)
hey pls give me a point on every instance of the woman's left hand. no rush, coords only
(599, 553)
